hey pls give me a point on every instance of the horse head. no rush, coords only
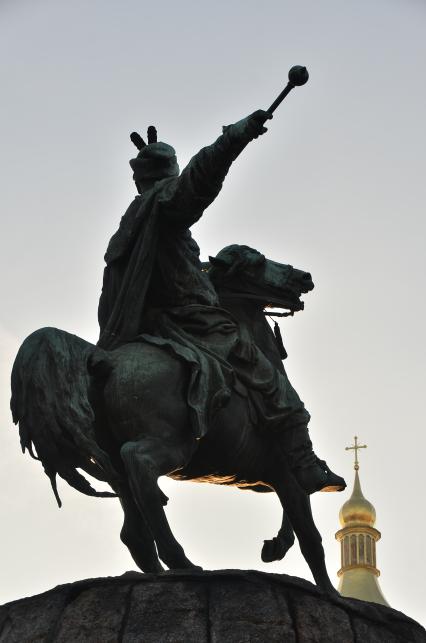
(243, 272)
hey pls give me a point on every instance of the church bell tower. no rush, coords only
(358, 537)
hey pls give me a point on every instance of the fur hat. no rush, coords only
(155, 160)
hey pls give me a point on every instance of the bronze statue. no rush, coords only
(187, 378)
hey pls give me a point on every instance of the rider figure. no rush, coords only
(154, 289)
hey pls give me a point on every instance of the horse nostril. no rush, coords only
(307, 276)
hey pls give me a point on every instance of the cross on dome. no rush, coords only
(355, 447)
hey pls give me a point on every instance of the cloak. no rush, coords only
(130, 258)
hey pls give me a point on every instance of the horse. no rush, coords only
(107, 414)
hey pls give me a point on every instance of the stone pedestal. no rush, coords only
(200, 607)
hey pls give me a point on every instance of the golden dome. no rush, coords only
(357, 510)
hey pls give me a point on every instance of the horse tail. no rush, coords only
(50, 401)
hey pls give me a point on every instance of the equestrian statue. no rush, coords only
(187, 379)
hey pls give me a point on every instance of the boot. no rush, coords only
(319, 477)
(310, 472)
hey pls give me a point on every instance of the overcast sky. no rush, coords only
(337, 187)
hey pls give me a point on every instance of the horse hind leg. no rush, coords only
(137, 537)
(145, 461)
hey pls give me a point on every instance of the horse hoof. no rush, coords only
(268, 551)
(188, 568)
(192, 568)
(180, 564)
(149, 567)
(275, 549)
(155, 568)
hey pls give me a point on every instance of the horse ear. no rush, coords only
(218, 263)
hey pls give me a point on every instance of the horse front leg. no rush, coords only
(298, 506)
(276, 548)
(145, 461)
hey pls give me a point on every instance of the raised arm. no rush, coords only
(201, 180)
